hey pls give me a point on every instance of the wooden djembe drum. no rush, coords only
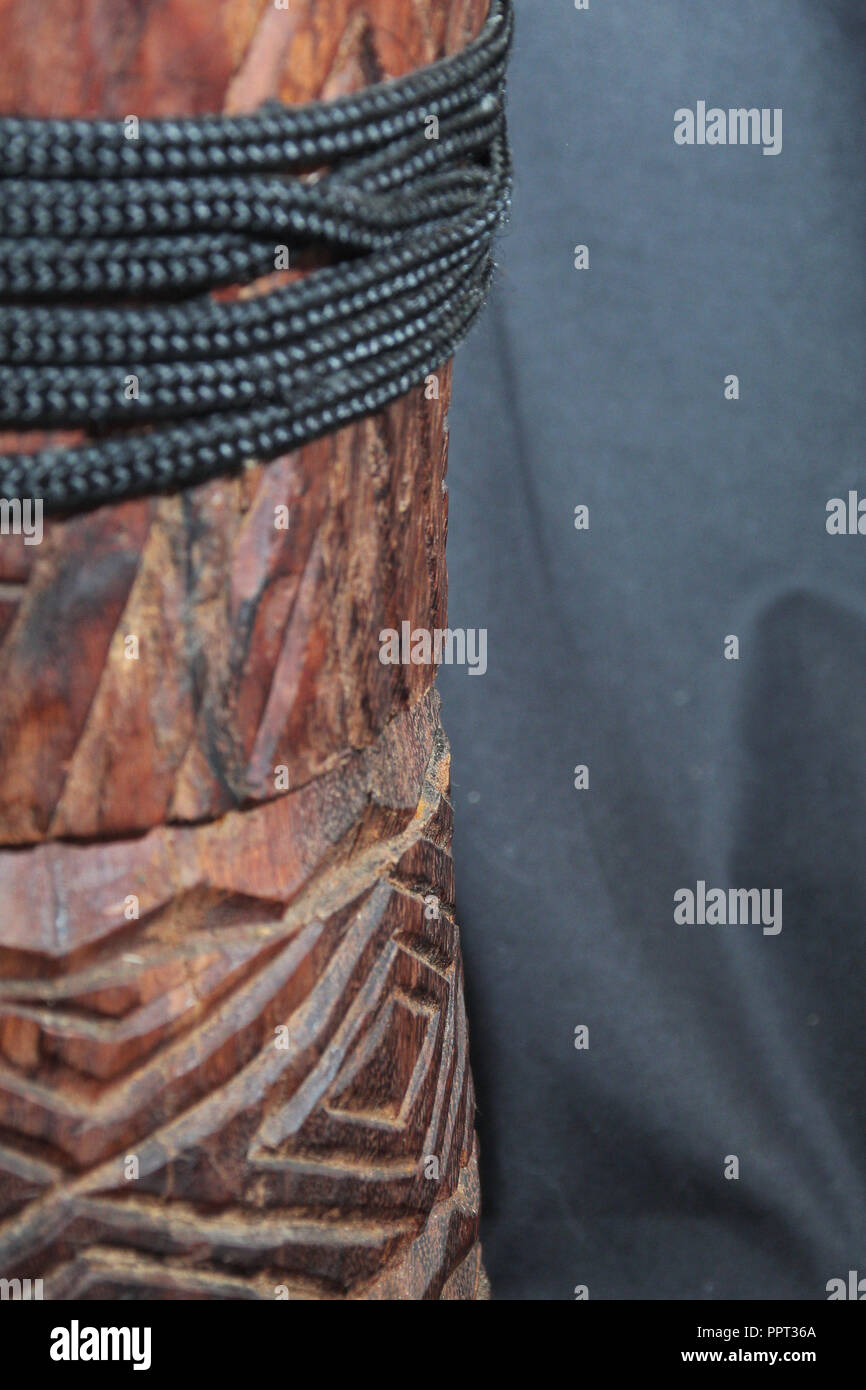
(233, 1050)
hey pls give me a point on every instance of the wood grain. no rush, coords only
(232, 1036)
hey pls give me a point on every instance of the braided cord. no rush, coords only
(274, 137)
(192, 205)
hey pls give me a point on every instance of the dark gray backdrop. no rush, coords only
(605, 1167)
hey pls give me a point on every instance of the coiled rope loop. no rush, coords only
(146, 228)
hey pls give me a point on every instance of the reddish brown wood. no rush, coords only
(167, 911)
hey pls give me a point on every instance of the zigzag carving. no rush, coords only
(342, 1166)
(151, 1047)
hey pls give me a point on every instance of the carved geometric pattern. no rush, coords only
(303, 1168)
(153, 1037)
(255, 641)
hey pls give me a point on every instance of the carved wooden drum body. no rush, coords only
(233, 1049)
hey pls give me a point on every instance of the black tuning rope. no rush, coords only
(112, 237)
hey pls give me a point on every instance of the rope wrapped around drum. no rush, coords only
(114, 235)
